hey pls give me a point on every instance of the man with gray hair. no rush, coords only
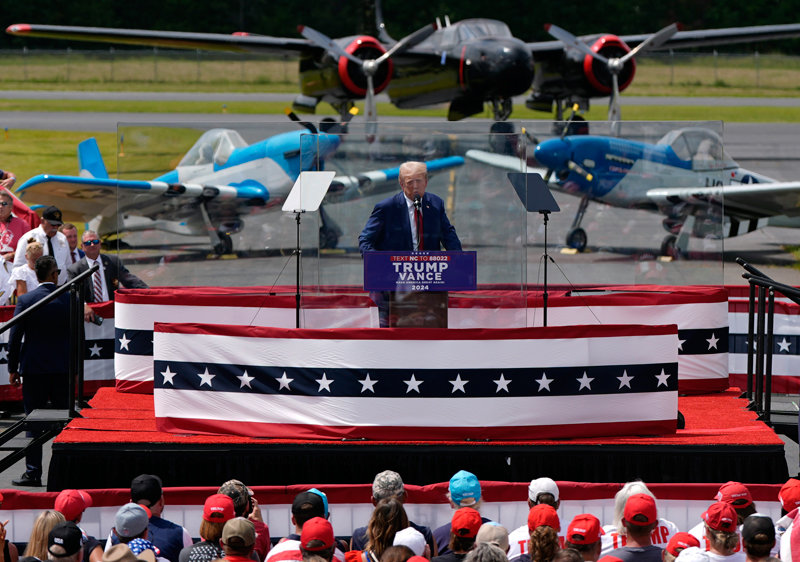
(389, 484)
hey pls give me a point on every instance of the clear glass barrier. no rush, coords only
(217, 220)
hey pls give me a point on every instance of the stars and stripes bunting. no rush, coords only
(412, 385)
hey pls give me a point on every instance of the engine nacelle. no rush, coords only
(596, 72)
(353, 78)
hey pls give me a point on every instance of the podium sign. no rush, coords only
(420, 271)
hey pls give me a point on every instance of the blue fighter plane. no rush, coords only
(686, 176)
(220, 179)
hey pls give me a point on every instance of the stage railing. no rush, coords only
(760, 336)
(49, 422)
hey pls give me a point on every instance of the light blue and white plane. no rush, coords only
(219, 180)
(686, 176)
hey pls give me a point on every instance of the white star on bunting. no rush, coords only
(95, 350)
(458, 384)
(624, 380)
(586, 382)
(784, 345)
(123, 342)
(502, 383)
(284, 382)
(368, 384)
(544, 383)
(205, 377)
(662, 379)
(168, 376)
(413, 384)
(712, 341)
(245, 379)
(324, 382)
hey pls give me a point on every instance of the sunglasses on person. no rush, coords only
(91, 242)
(4, 203)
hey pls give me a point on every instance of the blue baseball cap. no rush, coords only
(465, 490)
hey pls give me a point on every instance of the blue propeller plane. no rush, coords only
(686, 176)
(219, 180)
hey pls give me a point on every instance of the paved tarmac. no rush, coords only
(622, 243)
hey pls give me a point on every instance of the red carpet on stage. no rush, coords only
(715, 419)
(116, 439)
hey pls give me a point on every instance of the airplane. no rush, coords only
(686, 176)
(464, 64)
(218, 181)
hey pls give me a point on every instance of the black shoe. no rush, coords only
(28, 480)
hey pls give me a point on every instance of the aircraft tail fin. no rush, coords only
(90, 161)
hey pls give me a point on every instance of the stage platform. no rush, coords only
(116, 439)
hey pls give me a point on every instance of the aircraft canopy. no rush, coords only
(702, 147)
(214, 146)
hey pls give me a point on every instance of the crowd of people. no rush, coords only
(233, 529)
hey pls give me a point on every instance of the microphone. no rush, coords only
(417, 201)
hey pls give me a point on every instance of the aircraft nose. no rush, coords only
(553, 153)
(499, 67)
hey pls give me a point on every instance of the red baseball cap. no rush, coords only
(319, 529)
(679, 541)
(586, 526)
(466, 522)
(72, 503)
(543, 514)
(218, 508)
(640, 505)
(731, 492)
(790, 494)
(721, 516)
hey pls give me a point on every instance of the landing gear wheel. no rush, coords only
(576, 238)
(669, 247)
(328, 238)
(225, 244)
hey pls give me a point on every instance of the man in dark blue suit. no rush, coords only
(408, 221)
(42, 359)
(393, 224)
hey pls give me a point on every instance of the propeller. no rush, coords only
(614, 64)
(368, 66)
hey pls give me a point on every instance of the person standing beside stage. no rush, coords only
(411, 220)
(70, 231)
(53, 242)
(102, 285)
(42, 360)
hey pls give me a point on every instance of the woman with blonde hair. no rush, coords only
(37, 543)
(23, 277)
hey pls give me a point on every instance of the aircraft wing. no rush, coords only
(239, 43)
(82, 199)
(503, 161)
(690, 39)
(745, 201)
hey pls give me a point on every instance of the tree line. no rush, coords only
(347, 17)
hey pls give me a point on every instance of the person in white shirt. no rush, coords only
(48, 236)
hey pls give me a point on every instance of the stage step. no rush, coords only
(48, 422)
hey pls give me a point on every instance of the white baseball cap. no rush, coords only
(542, 486)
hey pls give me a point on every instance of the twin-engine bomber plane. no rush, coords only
(464, 64)
(686, 176)
(220, 179)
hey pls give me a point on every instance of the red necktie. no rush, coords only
(418, 221)
(72, 253)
